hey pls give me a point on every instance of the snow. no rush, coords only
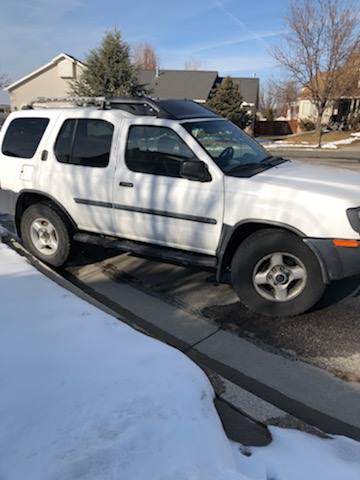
(308, 146)
(295, 455)
(84, 396)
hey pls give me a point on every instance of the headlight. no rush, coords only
(353, 215)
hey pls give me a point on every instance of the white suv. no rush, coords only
(172, 179)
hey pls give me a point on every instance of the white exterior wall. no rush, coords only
(307, 110)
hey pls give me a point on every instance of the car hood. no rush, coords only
(311, 199)
(301, 176)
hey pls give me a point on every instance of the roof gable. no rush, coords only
(38, 71)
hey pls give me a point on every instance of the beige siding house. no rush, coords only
(50, 80)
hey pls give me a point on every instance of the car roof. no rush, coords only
(127, 107)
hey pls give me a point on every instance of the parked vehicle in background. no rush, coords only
(172, 179)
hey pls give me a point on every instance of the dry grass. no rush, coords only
(312, 137)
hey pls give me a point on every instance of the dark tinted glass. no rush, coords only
(23, 137)
(183, 109)
(156, 150)
(63, 143)
(85, 142)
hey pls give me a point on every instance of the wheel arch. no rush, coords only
(27, 198)
(233, 236)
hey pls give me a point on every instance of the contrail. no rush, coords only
(252, 35)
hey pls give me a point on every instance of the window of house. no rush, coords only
(156, 150)
(23, 136)
(85, 142)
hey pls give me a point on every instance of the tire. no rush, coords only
(46, 233)
(275, 274)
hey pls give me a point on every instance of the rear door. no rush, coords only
(152, 203)
(80, 168)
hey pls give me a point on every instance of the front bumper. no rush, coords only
(336, 262)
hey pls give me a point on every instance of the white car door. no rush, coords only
(152, 203)
(22, 138)
(79, 169)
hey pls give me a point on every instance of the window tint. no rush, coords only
(63, 143)
(85, 142)
(23, 136)
(156, 150)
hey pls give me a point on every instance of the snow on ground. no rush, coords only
(84, 396)
(306, 145)
(295, 455)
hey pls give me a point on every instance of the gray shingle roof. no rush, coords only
(179, 84)
(249, 88)
(193, 84)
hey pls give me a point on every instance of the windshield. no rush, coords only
(232, 150)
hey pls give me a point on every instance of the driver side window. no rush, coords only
(156, 150)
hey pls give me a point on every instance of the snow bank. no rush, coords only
(295, 455)
(84, 396)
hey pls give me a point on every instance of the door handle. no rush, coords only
(126, 184)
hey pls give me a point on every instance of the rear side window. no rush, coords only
(23, 136)
(85, 142)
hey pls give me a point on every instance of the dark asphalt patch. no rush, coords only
(330, 330)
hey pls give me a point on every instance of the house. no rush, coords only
(344, 105)
(52, 80)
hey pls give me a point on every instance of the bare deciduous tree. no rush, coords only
(276, 97)
(286, 93)
(322, 41)
(3, 80)
(268, 101)
(145, 57)
(192, 64)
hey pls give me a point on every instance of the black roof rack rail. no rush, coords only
(138, 105)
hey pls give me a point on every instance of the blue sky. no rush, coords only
(231, 36)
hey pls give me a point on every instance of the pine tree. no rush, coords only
(226, 100)
(108, 71)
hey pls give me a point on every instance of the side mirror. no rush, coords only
(195, 170)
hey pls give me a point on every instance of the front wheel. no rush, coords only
(275, 274)
(46, 233)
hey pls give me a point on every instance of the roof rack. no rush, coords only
(139, 105)
(39, 102)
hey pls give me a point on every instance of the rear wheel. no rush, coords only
(46, 233)
(274, 273)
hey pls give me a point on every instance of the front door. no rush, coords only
(152, 203)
